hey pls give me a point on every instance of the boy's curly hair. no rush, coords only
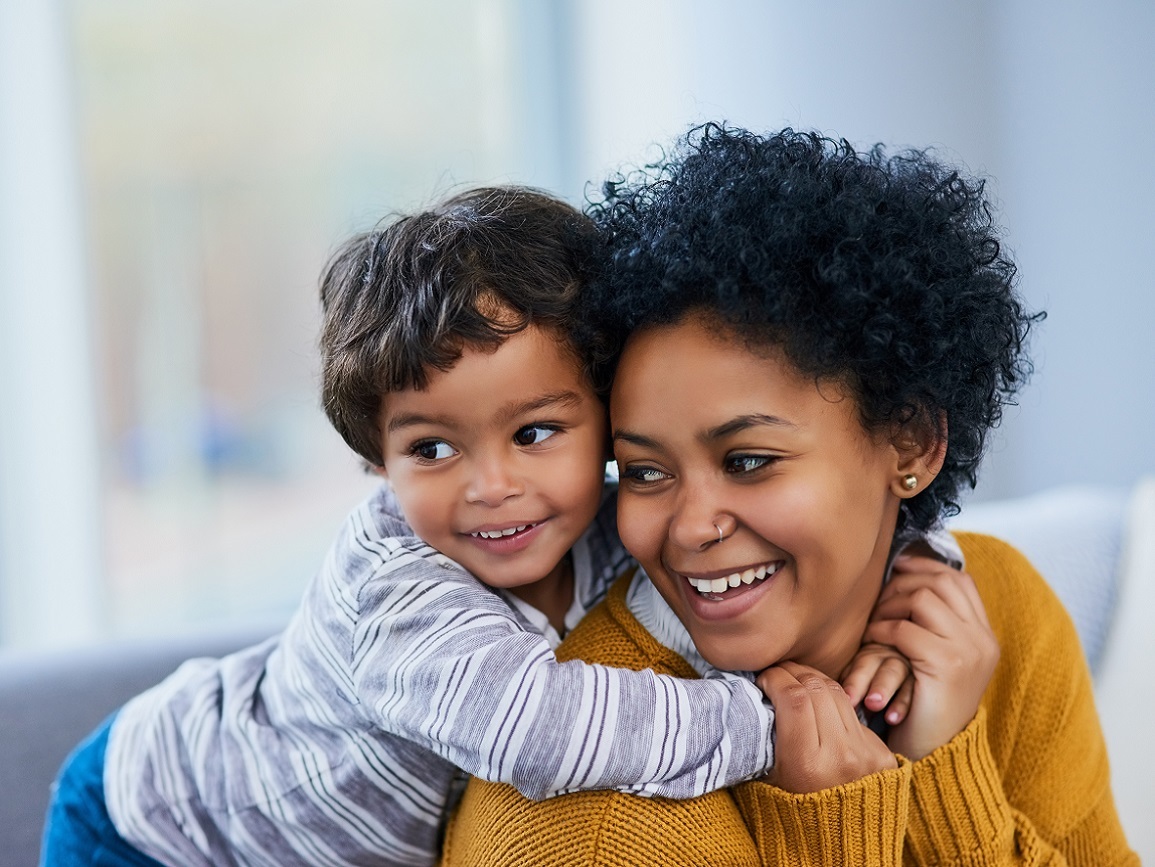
(882, 271)
(406, 298)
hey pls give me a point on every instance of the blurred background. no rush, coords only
(174, 174)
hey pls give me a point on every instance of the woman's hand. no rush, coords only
(933, 615)
(820, 743)
(880, 677)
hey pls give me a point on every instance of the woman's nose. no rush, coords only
(695, 522)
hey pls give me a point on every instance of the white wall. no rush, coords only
(1053, 103)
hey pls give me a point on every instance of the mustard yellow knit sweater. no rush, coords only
(1025, 783)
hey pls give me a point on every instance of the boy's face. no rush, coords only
(499, 462)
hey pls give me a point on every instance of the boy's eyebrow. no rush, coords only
(565, 397)
(553, 398)
(409, 419)
(733, 426)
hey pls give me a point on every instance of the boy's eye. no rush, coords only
(533, 434)
(433, 450)
(739, 464)
(642, 475)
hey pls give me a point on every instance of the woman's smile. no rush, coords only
(726, 594)
(752, 495)
(717, 584)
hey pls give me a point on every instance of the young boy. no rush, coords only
(424, 645)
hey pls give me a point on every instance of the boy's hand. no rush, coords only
(819, 743)
(933, 615)
(880, 677)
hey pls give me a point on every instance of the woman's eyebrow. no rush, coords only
(745, 422)
(636, 439)
(733, 426)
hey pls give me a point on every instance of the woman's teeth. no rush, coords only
(497, 534)
(720, 585)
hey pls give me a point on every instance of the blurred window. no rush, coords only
(225, 149)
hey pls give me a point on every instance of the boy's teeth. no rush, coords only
(497, 534)
(720, 585)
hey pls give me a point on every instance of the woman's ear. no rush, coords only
(920, 447)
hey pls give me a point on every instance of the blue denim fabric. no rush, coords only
(78, 829)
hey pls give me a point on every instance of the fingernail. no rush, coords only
(892, 717)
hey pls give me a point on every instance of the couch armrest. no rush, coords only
(50, 700)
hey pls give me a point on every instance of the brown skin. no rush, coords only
(505, 439)
(712, 438)
(933, 615)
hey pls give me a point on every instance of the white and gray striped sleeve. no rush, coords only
(442, 661)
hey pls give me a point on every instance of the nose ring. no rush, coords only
(719, 529)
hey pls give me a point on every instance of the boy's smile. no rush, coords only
(499, 462)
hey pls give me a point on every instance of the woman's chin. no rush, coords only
(733, 653)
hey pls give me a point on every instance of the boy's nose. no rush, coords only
(492, 482)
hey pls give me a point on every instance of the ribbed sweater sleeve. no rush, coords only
(1027, 781)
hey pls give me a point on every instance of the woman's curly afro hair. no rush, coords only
(882, 271)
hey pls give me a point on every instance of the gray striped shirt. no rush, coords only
(339, 741)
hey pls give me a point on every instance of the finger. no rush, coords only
(924, 606)
(834, 715)
(917, 643)
(887, 680)
(919, 563)
(967, 585)
(955, 587)
(858, 675)
(899, 706)
(796, 731)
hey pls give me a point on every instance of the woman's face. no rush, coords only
(708, 435)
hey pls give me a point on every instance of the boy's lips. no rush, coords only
(505, 538)
(502, 532)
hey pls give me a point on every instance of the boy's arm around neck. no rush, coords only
(441, 660)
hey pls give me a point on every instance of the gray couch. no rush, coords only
(1096, 546)
(49, 701)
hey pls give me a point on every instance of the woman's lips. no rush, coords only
(705, 605)
(715, 586)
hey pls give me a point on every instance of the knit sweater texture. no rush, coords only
(1025, 783)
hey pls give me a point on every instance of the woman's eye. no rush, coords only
(642, 475)
(433, 450)
(739, 464)
(533, 434)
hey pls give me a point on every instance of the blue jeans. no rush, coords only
(78, 829)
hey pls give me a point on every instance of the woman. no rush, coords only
(811, 345)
